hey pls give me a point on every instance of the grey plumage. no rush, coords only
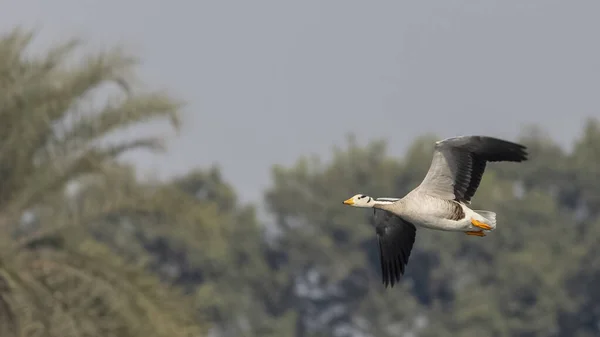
(439, 202)
(458, 164)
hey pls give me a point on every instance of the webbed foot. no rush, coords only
(480, 224)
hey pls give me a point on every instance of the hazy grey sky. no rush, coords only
(267, 81)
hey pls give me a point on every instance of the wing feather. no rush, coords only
(395, 238)
(458, 165)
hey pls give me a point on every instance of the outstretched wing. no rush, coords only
(395, 237)
(458, 164)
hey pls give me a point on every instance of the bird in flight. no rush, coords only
(440, 202)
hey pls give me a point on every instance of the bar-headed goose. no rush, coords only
(440, 201)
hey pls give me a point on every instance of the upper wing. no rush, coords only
(458, 164)
(396, 238)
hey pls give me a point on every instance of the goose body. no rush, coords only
(431, 212)
(440, 202)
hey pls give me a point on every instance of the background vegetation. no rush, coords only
(88, 249)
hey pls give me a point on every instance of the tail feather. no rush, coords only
(490, 216)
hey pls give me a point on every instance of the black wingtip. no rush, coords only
(391, 272)
(496, 149)
(395, 240)
(519, 151)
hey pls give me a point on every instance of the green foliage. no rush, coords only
(330, 250)
(192, 233)
(90, 250)
(314, 270)
(534, 276)
(55, 280)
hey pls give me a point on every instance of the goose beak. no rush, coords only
(349, 202)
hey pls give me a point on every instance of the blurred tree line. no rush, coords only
(89, 249)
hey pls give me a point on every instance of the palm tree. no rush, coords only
(55, 116)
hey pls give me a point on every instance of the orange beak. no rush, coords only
(349, 202)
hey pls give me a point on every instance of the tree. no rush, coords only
(329, 252)
(194, 234)
(54, 279)
(534, 276)
(91, 250)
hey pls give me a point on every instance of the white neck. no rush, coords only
(383, 202)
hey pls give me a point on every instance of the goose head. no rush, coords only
(360, 200)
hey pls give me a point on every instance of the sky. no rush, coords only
(268, 81)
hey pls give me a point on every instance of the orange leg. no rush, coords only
(480, 224)
(475, 233)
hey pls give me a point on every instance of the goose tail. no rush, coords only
(489, 216)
